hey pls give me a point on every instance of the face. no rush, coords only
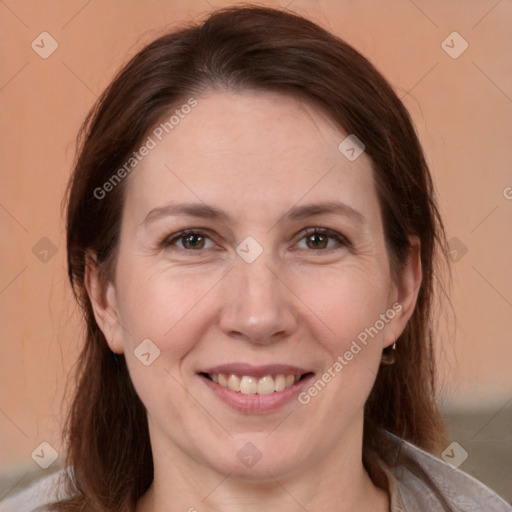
(252, 255)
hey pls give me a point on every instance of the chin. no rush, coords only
(253, 461)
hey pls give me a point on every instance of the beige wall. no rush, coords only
(462, 107)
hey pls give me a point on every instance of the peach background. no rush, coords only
(462, 108)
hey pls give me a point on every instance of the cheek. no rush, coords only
(174, 311)
(170, 308)
(345, 321)
(343, 306)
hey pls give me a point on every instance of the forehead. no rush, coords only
(253, 153)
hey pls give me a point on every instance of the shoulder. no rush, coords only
(40, 493)
(461, 491)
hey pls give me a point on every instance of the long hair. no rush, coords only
(261, 49)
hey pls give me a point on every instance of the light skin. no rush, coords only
(257, 158)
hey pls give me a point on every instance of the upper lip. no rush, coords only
(255, 371)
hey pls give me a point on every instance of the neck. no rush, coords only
(336, 482)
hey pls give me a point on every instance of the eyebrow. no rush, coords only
(329, 207)
(201, 210)
(205, 211)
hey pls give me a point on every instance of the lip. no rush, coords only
(255, 371)
(254, 403)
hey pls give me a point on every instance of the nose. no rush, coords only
(258, 305)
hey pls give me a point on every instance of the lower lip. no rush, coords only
(254, 403)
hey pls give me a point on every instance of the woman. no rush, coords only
(252, 235)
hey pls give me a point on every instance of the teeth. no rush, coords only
(251, 385)
(234, 383)
(266, 385)
(280, 382)
(248, 385)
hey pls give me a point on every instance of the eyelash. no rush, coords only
(331, 234)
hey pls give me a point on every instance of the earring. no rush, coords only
(389, 355)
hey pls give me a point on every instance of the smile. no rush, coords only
(253, 389)
(249, 385)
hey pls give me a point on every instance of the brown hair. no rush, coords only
(238, 49)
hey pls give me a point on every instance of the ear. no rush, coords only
(405, 292)
(104, 304)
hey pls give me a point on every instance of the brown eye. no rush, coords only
(193, 241)
(317, 241)
(322, 239)
(188, 240)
